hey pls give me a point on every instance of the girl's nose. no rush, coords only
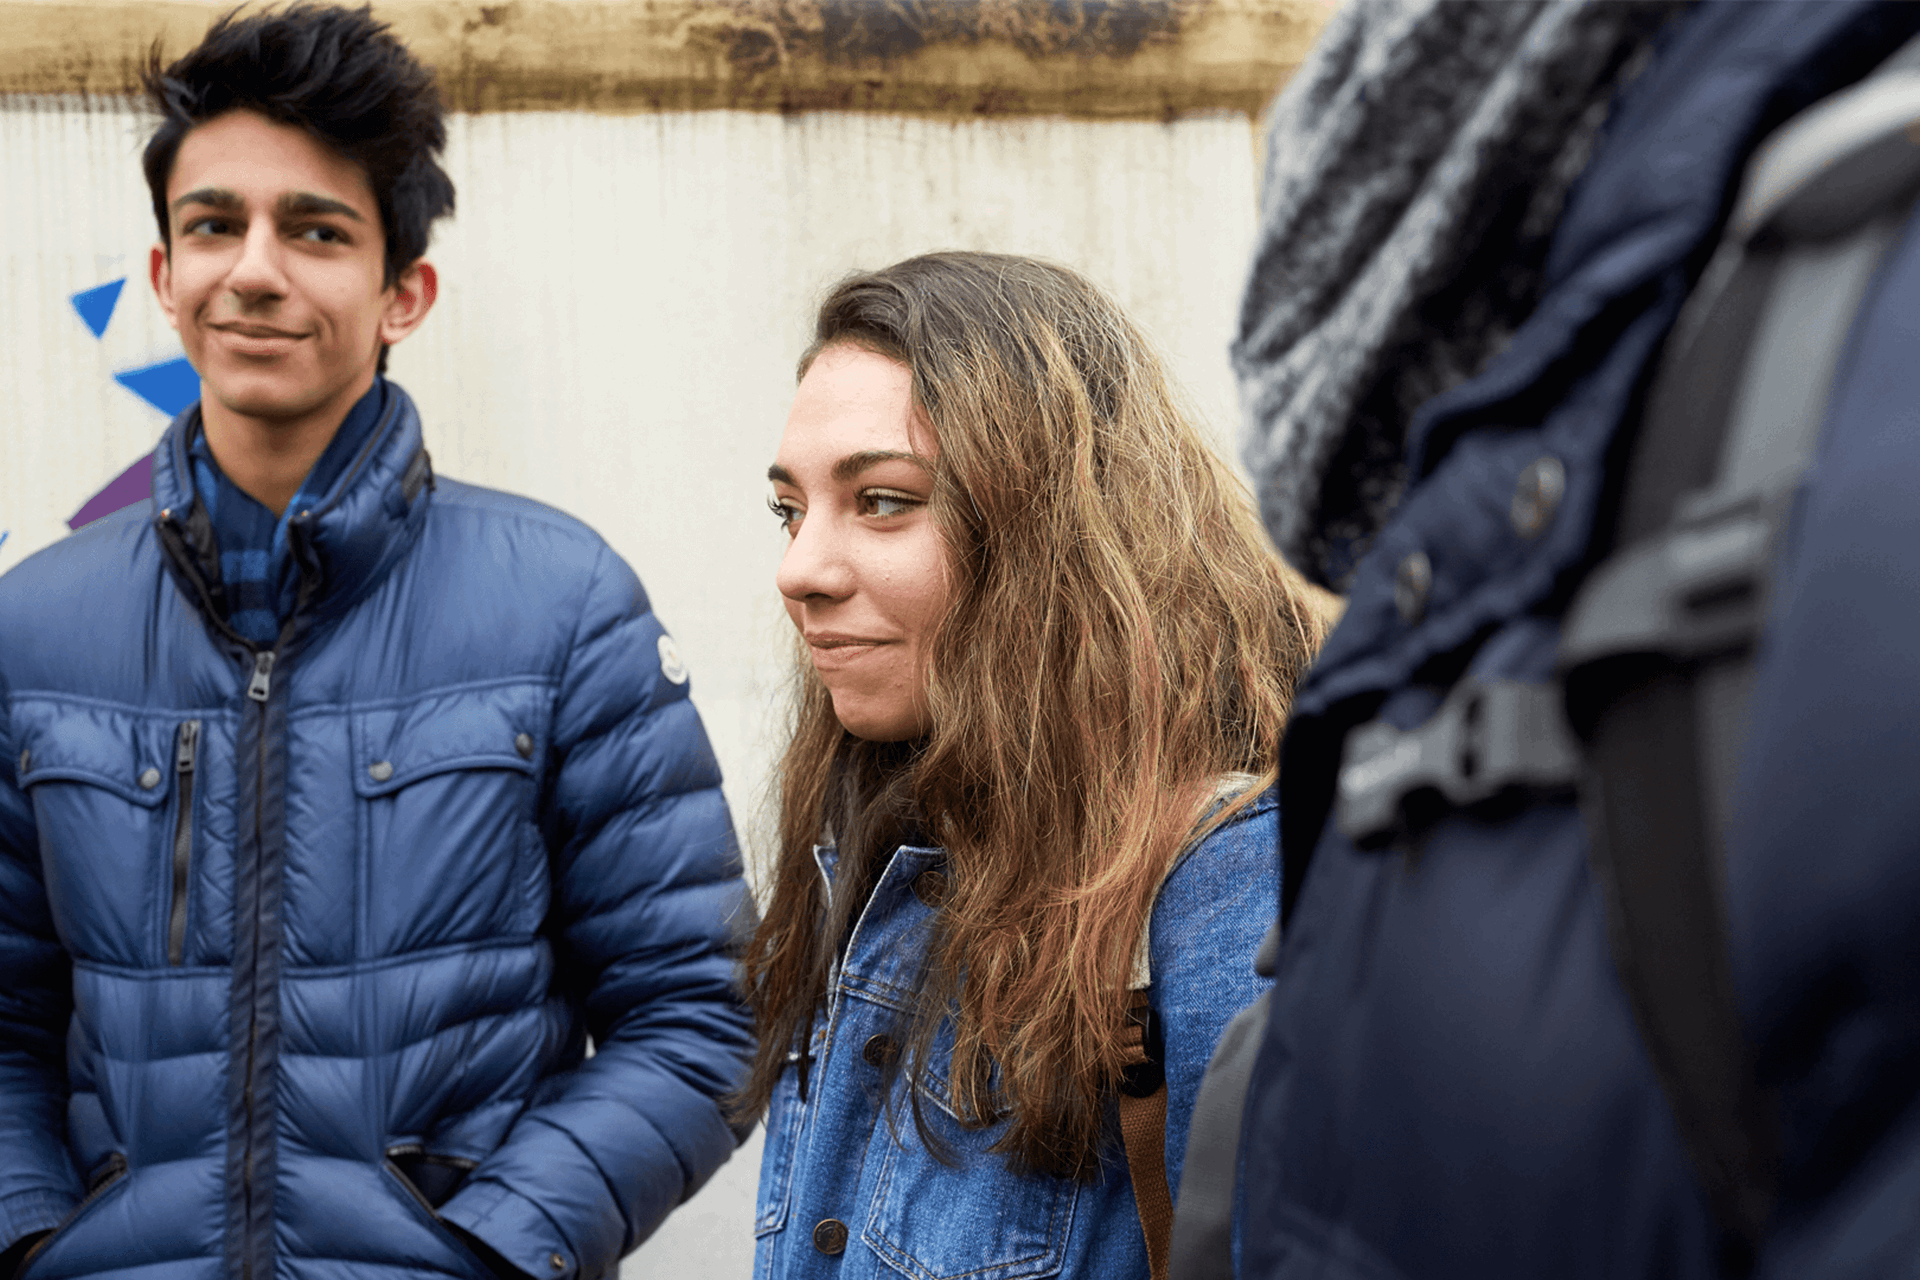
(816, 565)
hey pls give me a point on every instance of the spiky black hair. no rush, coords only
(338, 74)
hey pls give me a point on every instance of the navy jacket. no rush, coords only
(294, 948)
(1453, 1083)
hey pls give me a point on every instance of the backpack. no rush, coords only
(1646, 721)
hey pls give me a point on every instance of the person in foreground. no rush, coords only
(1048, 660)
(1602, 914)
(340, 806)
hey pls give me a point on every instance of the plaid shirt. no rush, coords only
(254, 565)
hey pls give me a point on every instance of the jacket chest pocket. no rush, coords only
(448, 791)
(967, 1215)
(116, 806)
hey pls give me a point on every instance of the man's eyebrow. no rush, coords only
(306, 202)
(854, 463)
(213, 197)
(293, 204)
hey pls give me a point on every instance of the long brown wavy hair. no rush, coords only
(1119, 638)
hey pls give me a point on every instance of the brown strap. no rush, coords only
(1143, 1129)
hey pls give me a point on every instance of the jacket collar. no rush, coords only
(345, 540)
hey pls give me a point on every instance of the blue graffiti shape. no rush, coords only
(3, 536)
(96, 305)
(169, 386)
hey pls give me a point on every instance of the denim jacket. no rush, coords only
(849, 1192)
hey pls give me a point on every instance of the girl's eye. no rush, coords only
(876, 502)
(786, 513)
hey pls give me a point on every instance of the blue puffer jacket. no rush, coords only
(848, 1188)
(1453, 1083)
(276, 931)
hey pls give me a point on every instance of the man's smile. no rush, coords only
(246, 338)
(249, 330)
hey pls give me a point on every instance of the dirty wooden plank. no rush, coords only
(1084, 59)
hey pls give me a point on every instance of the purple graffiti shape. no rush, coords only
(130, 486)
(169, 386)
(96, 305)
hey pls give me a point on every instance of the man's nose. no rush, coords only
(259, 273)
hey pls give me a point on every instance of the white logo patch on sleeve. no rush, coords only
(671, 664)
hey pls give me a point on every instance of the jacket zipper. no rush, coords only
(258, 689)
(262, 683)
(185, 750)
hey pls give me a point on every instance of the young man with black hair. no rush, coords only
(340, 806)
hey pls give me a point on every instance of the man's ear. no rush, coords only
(160, 272)
(408, 301)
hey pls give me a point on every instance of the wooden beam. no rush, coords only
(961, 59)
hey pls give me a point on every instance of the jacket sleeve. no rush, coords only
(648, 905)
(1208, 922)
(38, 1186)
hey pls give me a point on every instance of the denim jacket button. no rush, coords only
(830, 1236)
(930, 886)
(879, 1050)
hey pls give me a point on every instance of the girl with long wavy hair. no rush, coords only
(1026, 826)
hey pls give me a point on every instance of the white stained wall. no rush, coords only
(622, 301)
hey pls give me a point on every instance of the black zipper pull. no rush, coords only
(189, 742)
(262, 682)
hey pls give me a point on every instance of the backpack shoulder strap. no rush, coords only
(1657, 650)
(1143, 1129)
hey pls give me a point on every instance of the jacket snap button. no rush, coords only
(523, 743)
(380, 771)
(930, 886)
(1537, 495)
(558, 1261)
(878, 1050)
(830, 1236)
(1411, 582)
(26, 759)
(149, 779)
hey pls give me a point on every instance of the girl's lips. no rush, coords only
(837, 651)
